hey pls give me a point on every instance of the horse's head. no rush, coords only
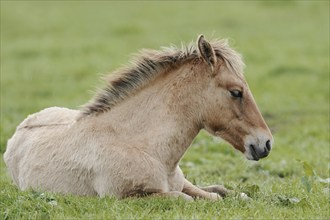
(229, 108)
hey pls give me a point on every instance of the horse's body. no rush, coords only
(129, 140)
(98, 158)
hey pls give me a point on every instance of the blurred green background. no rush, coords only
(54, 52)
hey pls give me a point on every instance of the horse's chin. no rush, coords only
(251, 155)
(248, 153)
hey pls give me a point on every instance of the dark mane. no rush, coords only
(147, 65)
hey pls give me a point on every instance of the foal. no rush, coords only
(129, 140)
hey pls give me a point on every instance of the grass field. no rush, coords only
(52, 54)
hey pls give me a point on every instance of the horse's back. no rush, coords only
(49, 117)
(35, 139)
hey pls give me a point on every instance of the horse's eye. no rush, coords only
(236, 93)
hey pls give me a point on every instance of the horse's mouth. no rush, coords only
(253, 153)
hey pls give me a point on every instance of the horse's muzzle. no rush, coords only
(260, 152)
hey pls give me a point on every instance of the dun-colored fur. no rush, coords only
(128, 141)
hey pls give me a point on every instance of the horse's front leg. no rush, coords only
(194, 191)
(174, 194)
(221, 190)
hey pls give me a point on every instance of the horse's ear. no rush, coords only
(206, 51)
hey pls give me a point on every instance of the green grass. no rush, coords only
(52, 54)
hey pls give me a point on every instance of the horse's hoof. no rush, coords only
(245, 197)
(215, 197)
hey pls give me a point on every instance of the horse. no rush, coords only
(128, 140)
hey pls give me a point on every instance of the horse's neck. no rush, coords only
(159, 119)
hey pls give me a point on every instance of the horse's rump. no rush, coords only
(54, 116)
(31, 133)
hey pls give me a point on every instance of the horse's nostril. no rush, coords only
(268, 145)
